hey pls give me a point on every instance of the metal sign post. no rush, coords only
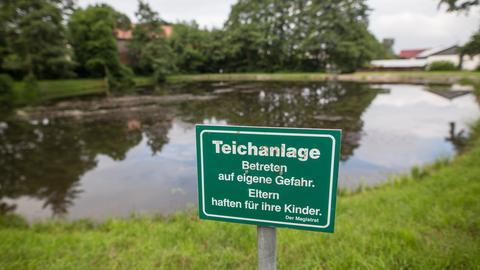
(266, 245)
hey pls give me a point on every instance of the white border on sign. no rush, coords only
(274, 134)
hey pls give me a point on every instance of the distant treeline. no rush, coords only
(51, 39)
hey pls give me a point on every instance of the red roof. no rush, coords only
(410, 53)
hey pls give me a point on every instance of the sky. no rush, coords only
(412, 23)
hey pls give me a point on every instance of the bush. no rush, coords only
(30, 89)
(121, 79)
(6, 90)
(441, 66)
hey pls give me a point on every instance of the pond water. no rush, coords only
(144, 162)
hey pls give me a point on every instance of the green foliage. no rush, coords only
(472, 47)
(12, 221)
(189, 44)
(56, 89)
(149, 50)
(243, 49)
(441, 66)
(258, 36)
(71, 88)
(120, 79)
(386, 52)
(33, 38)
(307, 35)
(279, 35)
(6, 91)
(6, 85)
(459, 5)
(122, 21)
(95, 46)
(4, 12)
(383, 50)
(91, 35)
(198, 50)
(162, 59)
(30, 90)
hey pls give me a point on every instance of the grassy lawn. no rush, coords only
(57, 89)
(52, 89)
(426, 221)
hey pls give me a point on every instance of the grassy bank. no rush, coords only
(426, 221)
(52, 89)
(394, 77)
(60, 89)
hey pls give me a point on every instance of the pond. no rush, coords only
(144, 161)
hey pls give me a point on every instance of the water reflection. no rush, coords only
(46, 160)
(145, 162)
(313, 105)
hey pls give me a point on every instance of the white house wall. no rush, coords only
(469, 63)
(399, 63)
(450, 58)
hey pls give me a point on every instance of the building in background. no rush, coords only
(420, 59)
(408, 54)
(450, 54)
(124, 37)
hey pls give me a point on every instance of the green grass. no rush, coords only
(462, 73)
(304, 76)
(63, 89)
(394, 76)
(55, 89)
(429, 220)
(60, 89)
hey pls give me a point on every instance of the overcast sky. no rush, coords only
(412, 23)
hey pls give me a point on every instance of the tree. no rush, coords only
(91, 32)
(4, 11)
(161, 59)
(262, 30)
(459, 5)
(215, 50)
(336, 35)
(301, 34)
(6, 91)
(33, 38)
(149, 49)
(188, 43)
(472, 47)
(243, 48)
(386, 51)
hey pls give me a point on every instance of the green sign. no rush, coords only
(281, 177)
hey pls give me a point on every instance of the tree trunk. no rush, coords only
(460, 62)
